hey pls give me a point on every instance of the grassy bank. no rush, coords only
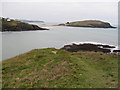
(53, 68)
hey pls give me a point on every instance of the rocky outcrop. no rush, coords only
(90, 23)
(88, 47)
(116, 51)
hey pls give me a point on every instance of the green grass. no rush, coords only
(41, 68)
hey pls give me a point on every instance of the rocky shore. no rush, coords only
(116, 52)
(90, 47)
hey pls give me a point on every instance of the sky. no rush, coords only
(61, 10)
(59, 0)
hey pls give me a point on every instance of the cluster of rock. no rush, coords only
(89, 47)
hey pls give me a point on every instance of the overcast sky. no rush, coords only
(62, 11)
(60, 0)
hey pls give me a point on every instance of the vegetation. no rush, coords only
(15, 25)
(90, 23)
(56, 68)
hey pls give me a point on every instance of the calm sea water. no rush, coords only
(15, 43)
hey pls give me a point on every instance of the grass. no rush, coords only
(41, 68)
(87, 22)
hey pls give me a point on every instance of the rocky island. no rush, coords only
(15, 25)
(90, 23)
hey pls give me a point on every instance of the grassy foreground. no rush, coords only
(53, 68)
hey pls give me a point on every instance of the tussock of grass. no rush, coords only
(42, 68)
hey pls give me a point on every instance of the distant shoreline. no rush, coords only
(51, 25)
(86, 24)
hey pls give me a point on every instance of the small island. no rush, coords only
(15, 25)
(90, 23)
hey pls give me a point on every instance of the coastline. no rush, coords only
(86, 42)
(109, 46)
(51, 25)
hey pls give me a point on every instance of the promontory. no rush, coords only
(15, 25)
(90, 23)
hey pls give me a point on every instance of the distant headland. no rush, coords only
(15, 25)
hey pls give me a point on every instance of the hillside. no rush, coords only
(90, 23)
(15, 25)
(53, 68)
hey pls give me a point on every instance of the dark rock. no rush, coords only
(116, 51)
(106, 46)
(86, 47)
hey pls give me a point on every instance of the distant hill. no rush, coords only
(90, 23)
(15, 25)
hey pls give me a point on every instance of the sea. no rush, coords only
(16, 43)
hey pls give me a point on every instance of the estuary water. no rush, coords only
(15, 43)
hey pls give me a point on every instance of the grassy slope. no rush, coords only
(87, 22)
(41, 68)
(90, 23)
